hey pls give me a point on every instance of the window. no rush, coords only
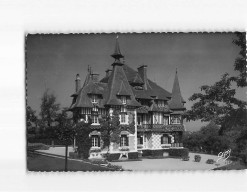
(176, 119)
(124, 140)
(123, 98)
(95, 109)
(94, 99)
(95, 120)
(161, 103)
(139, 120)
(166, 120)
(165, 139)
(123, 118)
(139, 140)
(123, 109)
(95, 141)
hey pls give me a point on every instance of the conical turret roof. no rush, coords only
(177, 100)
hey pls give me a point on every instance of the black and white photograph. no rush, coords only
(136, 102)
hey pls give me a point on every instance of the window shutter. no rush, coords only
(127, 141)
(161, 139)
(169, 139)
(120, 141)
(98, 141)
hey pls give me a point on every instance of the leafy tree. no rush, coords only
(49, 109)
(240, 62)
(83, 141)
(217, 103)
(31, 118)
(109, 125)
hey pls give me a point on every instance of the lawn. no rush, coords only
(37, 162)
(233, 166)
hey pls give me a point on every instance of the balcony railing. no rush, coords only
(177, 127)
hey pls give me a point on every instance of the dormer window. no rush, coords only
(94, 99)
(123, 109)
(124, 99)
(161, 103)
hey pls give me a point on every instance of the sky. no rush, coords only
(200, 58)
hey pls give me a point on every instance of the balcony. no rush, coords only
(160, 127)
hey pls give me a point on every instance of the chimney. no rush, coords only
(142, 70)
(108, 72)
(77, 83)
(95, 77)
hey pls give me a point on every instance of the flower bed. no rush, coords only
(113, 156)
(124, 149)
(95, 150)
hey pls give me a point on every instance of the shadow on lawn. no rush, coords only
(36, 162)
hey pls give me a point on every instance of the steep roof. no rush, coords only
(176, 101)
(152, 88)
(83, 98)
(123, 90)
(116, 80)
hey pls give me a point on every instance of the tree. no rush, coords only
(109, 125)
(82, 131)
(31, 118)
(240, 62)
(217, 103)
(49, 109)
(65, 132)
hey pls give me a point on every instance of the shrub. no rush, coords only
(113, 156)
(73, 155)
(133, 155)
(197, 158)
(210, 161)
(178, 152)
(37, 146)
(185, 158)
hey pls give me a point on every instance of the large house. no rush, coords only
(156, 115)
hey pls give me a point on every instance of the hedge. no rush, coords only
(174, 152)
(113, 156)
(146, 152)
(133, 155)
(37, 146)
(179, 152)
(157, 152)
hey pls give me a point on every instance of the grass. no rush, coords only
(37, 162)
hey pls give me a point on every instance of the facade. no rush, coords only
(155, 115)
